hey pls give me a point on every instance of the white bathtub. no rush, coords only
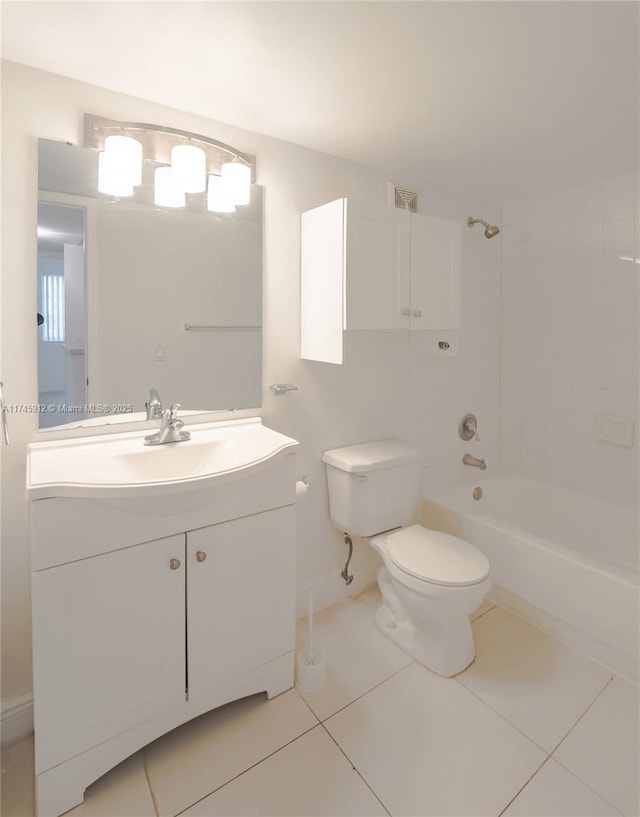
(562, 560)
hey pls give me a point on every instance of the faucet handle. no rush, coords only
(171, 413)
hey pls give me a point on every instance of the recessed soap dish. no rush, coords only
(615, 430)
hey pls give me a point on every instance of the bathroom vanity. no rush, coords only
(162, 587)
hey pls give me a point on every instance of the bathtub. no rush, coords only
(566, 562)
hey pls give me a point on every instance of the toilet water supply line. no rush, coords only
(348, 578)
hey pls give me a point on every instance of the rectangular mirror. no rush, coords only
(132, 296)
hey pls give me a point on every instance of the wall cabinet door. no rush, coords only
(377, 266)
(240, 597)
(435, 272)
(109, 644)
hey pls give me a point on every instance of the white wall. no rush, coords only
(570, 337)
(374, 395)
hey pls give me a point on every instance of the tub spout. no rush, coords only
(469, 460)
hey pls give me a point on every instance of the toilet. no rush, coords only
(430, 581)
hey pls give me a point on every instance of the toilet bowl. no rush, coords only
(430, 582)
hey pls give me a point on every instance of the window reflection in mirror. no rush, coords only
(61, 310)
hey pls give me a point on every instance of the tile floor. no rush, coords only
(531, 729)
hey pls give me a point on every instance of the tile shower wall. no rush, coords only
(446, 389)
(570, 337)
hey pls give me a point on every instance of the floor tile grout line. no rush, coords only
(584, 783)
(305, 702)
(355, 769)
(566, 768)
(504, 717)
(366, 692)
(244, 771)
(146, 774)
(522, 732)
(569, 731)
(523, 787)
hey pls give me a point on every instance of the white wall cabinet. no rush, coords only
(368, 266)
(144, 635)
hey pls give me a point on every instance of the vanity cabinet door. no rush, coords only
(109, 645)
(240, 597)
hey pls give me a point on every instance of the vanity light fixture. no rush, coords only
(192, 158)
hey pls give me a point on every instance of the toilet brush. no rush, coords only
(311, 670)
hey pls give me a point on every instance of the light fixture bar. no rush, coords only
(159, 140)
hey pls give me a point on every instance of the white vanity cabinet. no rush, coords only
(369, 266)
(108, 636)
(240, 592)
(148, 611)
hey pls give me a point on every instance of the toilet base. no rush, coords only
(446, 655)
(442, 644)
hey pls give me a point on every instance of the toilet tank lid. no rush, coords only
(371, 456)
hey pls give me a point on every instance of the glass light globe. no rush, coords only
(126, 155)
(189, 165)
(166, 192)
(219, 199)
(237, 176)
(111, 180)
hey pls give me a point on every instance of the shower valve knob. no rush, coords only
(468, 428)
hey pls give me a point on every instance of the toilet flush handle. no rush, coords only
(359, 477)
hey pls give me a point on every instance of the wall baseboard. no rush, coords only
(16, 719)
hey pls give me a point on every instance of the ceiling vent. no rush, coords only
(403, 198)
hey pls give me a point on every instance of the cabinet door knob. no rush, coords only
(201, 556)
(174, 564)
(406, 311)
(417, 313)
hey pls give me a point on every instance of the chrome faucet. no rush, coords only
(469, 460)
(170, 429)
(154, 406)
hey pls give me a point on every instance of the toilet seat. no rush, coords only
(436, 557)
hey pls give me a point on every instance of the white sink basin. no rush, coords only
(120, 465)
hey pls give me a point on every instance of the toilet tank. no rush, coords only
(374, 486)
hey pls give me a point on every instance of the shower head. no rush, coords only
(489, 229)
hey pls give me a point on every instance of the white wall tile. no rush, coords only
(617, 238)
(585, 480)
(533, 441)
(533, 466)
(557, 473)
(618, 198)
(570, 317)
(533, 416)
(558, 447)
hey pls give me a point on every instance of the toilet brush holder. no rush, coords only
(311, 668)
(311, 671)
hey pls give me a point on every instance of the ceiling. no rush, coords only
(490, 99)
